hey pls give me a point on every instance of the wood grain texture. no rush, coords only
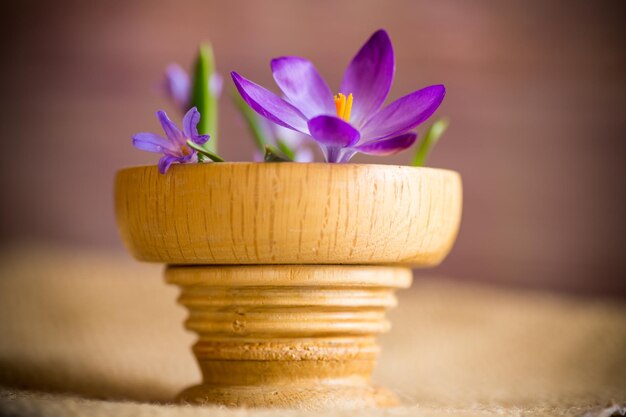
(297, 328)
(289, 213)
(288, 336)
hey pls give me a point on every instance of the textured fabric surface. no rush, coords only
(90, 333)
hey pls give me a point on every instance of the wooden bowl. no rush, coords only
(265, 256)
(289, 213)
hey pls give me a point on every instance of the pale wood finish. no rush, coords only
(289, 213)
(297, 328)
(288, 336)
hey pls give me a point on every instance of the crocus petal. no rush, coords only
(190, 123)
(303, 86)
(369, 77)
(177, 85)
(388, 146)
(165, 162)
(304, 155)
(338, 155)
(191, 157)
(291, 138)
(258, 156)
(152, 142)
(216, 82)
(171, 130)
(332, 131)
(405, 113)
(269, 105)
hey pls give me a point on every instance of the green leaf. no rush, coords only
(273, 155)
(431, 138)
(286, 149)
(253, 121)
(203, 97)
(203, 152)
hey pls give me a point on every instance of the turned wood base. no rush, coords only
(288, 336)
(297, 326)
(313, 397)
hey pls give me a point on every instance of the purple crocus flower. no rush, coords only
(177, 86)
(174, 146)
(353, 120)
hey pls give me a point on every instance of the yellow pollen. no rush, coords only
(186, 151)
(343, 106)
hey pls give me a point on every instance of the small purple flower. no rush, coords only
(177, 86)
(352, 121)
(174, 147)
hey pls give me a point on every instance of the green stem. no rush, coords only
(286, 149)
(205, 152)
(273, 155)
(432, 136)
(203, 97)
(253, 121)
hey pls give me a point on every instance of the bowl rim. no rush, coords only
(179, 167)
(316, 244)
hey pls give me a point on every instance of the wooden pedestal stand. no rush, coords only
(287, 269)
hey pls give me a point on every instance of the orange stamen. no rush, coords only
(340, 104)
(343, 106)
(346, 112)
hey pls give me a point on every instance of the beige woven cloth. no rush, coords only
(90, 333)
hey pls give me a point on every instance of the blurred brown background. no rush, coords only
(536, 95)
